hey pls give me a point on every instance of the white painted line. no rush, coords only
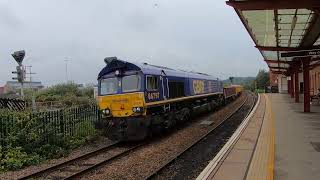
(236, 135)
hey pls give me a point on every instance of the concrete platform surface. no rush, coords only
(236, 160)
(280, 142)
(296, 132)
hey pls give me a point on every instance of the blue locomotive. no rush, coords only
(138, 99)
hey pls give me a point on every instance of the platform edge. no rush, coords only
(225, 149)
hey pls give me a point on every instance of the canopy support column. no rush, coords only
(292, 86)
(288, 85)
(296, 82)
(306, 84)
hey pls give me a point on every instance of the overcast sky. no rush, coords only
(200, 35)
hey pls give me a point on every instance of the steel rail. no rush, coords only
(89, 169)
(108, 160)
(156, 172)
(71, 161)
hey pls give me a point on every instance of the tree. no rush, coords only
(262, 79)
(231, 79)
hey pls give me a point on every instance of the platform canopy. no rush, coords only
(280, 26)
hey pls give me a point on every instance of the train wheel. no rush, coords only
(188, 116)
(170, 121)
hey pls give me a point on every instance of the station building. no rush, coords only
(281, 138)
(16, 86)
(287, 35)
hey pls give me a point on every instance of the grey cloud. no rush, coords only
(204, 36)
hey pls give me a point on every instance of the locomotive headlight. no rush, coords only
(137, 109)
(117, 73)
(106, 111)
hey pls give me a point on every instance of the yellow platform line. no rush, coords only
(272, 145)
(262, 163)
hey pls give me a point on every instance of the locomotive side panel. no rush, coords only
(201, 86)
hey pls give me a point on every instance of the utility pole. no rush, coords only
(66, 60)
(30, 73)
(30, 86)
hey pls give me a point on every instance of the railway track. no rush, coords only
(249, 100)
(78, 166)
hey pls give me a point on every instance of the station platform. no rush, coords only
(277, 141)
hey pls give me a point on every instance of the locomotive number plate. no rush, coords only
(153, 95)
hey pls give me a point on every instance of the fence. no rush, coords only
(47, 127)
(12, 104)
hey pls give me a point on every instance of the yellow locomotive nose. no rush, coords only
(123, 105)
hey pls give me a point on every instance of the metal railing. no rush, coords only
(47, 127)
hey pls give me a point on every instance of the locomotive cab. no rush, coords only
(121, 94)
(121, 100)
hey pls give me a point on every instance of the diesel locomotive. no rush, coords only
(139, 99)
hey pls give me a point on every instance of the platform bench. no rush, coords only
(317, 96)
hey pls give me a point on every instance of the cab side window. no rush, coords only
(152, 83)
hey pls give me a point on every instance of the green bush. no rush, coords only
(29, 138)
(62, 95)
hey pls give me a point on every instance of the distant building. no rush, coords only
(95, 91)
(15, 86)
(273, 79)
(1, 90)
(80, 86)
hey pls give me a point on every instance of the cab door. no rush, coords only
(164, 85)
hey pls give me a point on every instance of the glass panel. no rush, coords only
(273, 65)
(271, 55)
(108, 86)
(287, 59)
(284, 32)
(286, 11)
(131, 83)
(262, 25)
(302, 18)
(300, 26)
(297, 32)
(152, 83)
(294, 41)
(284, 26)
(285, 18)
(304, 11)
(284, 41)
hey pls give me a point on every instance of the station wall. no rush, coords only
(314, 80)
(282, 84)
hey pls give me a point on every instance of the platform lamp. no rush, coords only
(19, 56)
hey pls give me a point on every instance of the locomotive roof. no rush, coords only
(146, 68)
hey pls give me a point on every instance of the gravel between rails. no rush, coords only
(141, 163)
(92, 146)
(66, 171)
(190, 164)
